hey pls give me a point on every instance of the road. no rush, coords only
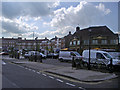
(17, 76)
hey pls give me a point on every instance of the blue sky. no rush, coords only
(50, 19)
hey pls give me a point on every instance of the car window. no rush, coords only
(100, 56)
(72, 54)
(107, 55)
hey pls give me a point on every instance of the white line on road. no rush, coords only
(44, 74)
(38, 72)
(51, 77)
(26, 68)
(59, 80)
(3, 63)
(29, 69)
(70, 84)
(82, 88)
(33, 70)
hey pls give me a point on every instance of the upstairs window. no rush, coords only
(71, 43)
(78, 42)
(94, 41)
(114, 42)
(103, 41)
(74, 42)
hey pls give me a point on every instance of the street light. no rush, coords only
(89, 48)
(36, 49)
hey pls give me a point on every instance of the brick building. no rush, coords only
(100, 37)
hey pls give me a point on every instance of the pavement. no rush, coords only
(79, 74)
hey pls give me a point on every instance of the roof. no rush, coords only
(95, 31)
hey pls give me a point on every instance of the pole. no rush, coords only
(89, 67)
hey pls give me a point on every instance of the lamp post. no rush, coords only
(118, 39)
(36, 49)
(89, 49)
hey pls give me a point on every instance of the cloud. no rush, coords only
(16, 26)
(59, 32)
(33, 9)
(84, 14)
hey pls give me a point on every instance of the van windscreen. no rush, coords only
(76, 53)
(107, 55)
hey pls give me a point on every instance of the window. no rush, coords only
(103, 41)
(94, 41)
(74, 42)
(114, 42)
(78, 42)
(86, 42)
(100, 56)
(72, 54)
(71, 43)
(107, 55)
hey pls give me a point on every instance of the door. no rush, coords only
(100, 58)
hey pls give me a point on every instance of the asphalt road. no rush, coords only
(17, 76)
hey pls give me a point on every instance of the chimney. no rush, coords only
(69, 32)
(45, 38)
(77, 28)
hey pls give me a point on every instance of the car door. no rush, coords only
(100, 58)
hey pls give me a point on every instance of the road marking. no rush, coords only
(82, 88)
(26, 68)
(33, 70)
(51, 77)
(70, 84)
(38, 72)
(29, 69)
(44, 74)
(59, 80)
(3, 63)
(21, 66)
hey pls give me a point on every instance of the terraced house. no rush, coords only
(100, 37)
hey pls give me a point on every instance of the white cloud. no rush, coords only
(16, 26)
(83, 14)
(33, 9)
(102, 8)
(59, 32)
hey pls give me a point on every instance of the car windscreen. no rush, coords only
(76, 53)
(107, 55)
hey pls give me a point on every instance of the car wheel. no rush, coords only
(61, 60)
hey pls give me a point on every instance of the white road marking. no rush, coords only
(38, 72)
(44, 74)
(82, 88)
(51, 77)
(33, 70)
(29, 69)
(3, 63)
(59, 80)
(26, 68)
(70, 84)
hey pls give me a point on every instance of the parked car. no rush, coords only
(99, 57)
(43, 55)
(52, 55)
(28, 54)
(68, 55)
(4, 53)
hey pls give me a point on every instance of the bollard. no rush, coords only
(73, 62)
(111, 66)
(35, 58)
(40, 58)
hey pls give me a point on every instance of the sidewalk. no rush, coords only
(80, 74)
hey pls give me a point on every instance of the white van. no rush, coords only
(68, 55)
(97, 56)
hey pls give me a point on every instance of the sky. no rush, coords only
(50, 19)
